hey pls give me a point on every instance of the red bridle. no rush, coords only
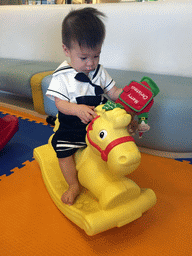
(110, 146)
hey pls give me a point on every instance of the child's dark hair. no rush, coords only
(84, 26)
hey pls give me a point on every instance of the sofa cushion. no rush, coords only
(15, 74)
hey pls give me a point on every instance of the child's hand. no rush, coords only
(143, 127)
(86, 113)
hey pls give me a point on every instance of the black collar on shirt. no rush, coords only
(69, 67)
(62, 69)
(96, 71)
(83, 78)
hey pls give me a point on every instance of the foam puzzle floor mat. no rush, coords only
(32, 225)
(33, 132)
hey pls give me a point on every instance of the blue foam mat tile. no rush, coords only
(20, 148)
(184, 159)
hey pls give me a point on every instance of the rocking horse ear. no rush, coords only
(122, 121)
(99, 110)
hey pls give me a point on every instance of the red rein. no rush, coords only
(104, 153)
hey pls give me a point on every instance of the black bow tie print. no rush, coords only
(83, 78)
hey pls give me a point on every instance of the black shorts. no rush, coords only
(69, 137)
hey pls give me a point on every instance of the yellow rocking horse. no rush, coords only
(108, 198)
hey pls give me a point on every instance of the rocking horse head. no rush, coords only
(107, 136)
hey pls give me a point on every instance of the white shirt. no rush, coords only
(65, 87)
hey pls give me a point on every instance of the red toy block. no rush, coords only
(9, 125)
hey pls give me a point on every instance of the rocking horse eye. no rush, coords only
(103, 134)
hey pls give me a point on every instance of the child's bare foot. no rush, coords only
(69, 196)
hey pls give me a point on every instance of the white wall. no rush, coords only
(151, 36)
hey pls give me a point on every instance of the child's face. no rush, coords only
(83, 59)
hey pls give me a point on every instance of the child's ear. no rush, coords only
(66, 50)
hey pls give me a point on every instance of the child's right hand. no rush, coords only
(86, 113)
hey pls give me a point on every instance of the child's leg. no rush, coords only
(68, 169)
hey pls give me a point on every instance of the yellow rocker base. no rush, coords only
(86, 212)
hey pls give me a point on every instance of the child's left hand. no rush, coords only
(143, 127)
